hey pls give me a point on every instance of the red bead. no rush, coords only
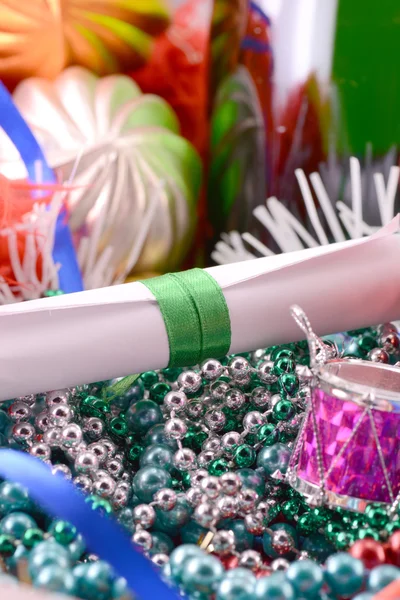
(390, 555)
(262, 573)
(371, 552)
(394, 545)
(229, 562)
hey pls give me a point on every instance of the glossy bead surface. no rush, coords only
(55, 579)
(236, 586)
(16, 524)
(306, 577)
(202, 574)
(382, 576)
(179, 558)
(274, 587)
(274, 458)
(143, 415)
(344, 574)
(158, 455)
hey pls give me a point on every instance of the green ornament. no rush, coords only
(283, 410)
(158, 392)
(133, 455)
(118, 428)
(171, 373)
(218, 467)
(244, 456)
(267, 435)
(149, 378)
(64, 533)
(32, 537)
(288, 384)
(282, 365)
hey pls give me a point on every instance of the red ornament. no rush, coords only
(371, 552)
(394, 547)
(229, 562)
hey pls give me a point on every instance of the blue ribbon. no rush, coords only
(16, 128)
(102, 535)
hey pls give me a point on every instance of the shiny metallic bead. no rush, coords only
(390, 342)
(165, 499)
(378, 355)
(227, 506)
(257, 355)
(123, 485)
(230, 441)
(143, 539)
(223, 542)
(62, 470)
(23, 433)
(99, 474)
(73, 452)
(239, 367)
(204, 458)
(265, 507)
(184, 459)
(93, 427)
(194, 410)
(250, 559)
(19, 411)
(230, 483)
(254, 523)
(386, 328)
(219, 389)
(71, 435)
(211, 487)
(175, 400)
(114, 466)
(84, 483)
(206, 514)
(252, 421)
(212, 443)
(109, 444)
(144, 515)
(215, 419)
(60, 415)
(261, 397)
(100, 451)
(275, 399)
(197, 476)
(160, 560)
(42, 421)
(194, 496)
(40, 450)
(86, 462)
(52, 437)
(235, 399)
(120, 498)
(211, 369)
(175, 429)
(282, 542)
(190, 381)
(56, 398)
(264, 371)
(280, 564)
(247, 499)
(30, 399)
(104, 486)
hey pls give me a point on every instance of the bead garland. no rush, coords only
(192, 463)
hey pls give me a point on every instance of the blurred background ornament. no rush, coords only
(43, 37)
(136, 179)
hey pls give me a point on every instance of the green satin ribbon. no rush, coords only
(195, 314)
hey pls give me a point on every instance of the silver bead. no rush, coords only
(84, 483)
(386, 328)
(227, 506)
(100, 451)
(42, 421)
(190, 381)
(230, 483)
(211, 369)
(390, 342)
(265, 507)
(282, 542)
(211, 487)
(215, 419)
(254, 523)
(19, 411)
(252, 421)
(114, 466)
(23, 433)
(257, 355)
(56, 398)
(123, 485)
(143, 539)
(235, 399)
(52, 437)
(160, 560)
(86, 462)
(120, 498)
(230, 441)
(104, 486)
(175, 400)
(250, 559)
(219, 389)
(175, 429)
(40, 450)
(206, 514)
(264, 371)
(184, 459)
(261, 397)
(144, 515)
(247, 499)
(62, 470)
(109, 445)
(275, 399)
(378, 355)
(99, 474)
(212, 443)
(239, 367)
(194, 496)
(93, 427)
(60, 415)
(197, 477)
(223, 542)
(194, 410)
(71, 435)
(280, 564)
(165, 499)
(73, 452)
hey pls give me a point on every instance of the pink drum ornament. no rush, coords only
(348, 450)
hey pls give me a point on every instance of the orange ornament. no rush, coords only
(43, 37)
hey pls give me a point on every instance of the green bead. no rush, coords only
(32, 537)
(344, 539)
(267, 435)
(274, 458)
(14, 497)
(280, 352)
(148, 481)
(193, 533)
(367, 343)
(91, 406)
(171, 521)
(16, 524)
(290, 509)
(307, 578)
(243, 539)
(63, 532)
(158, 455)
(133, 454)
(7, 545)
(149, 378)
(218, 466)
(393, 526)
(282, 365)
(118, 428)
(162, 543)
(143, 415)
(307, 524)
(322, 516)
(273, 512)
(179, 558)
(52, 293)
(158, 392)
(317, 547)
(156, 435)
(244, 456)
(171, 373)
(344, 574)
(94, 581)
(368, 532)
(376, 516)
(194, 438)
(332, 529)
(99, 504)
(283, 410)
(288, 384)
